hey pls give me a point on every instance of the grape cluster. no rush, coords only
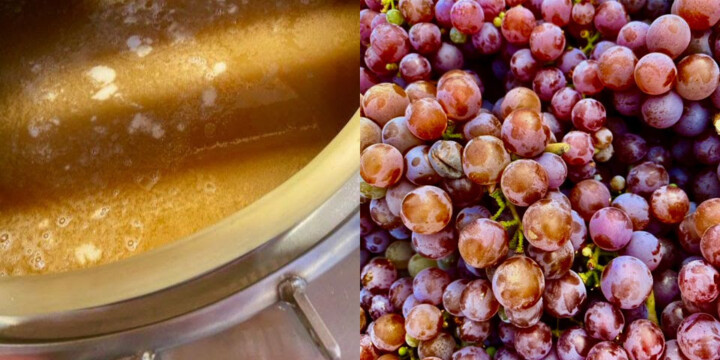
(540, 179)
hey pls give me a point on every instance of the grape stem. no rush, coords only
(387, 5)
(519, 232)
(590, 40)
(497, 195)
(491, 350)
(558, 148)
(650, 304)
(450, 133)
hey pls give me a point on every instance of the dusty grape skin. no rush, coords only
(519, 98)
(447, 57)
(367, 349)
(524, 66)
(586, 77)
(469, 214)
(524, 133)
(378, 275)
(390, 42)
(589, 196)
(616, 67)
(426, 119)
(694, 119)
(607, 350)
(442, 346)
(483, 243)
(426, 210)
(636, 207)
(700, 15)
(557, 12)
(647, 177)
(523, 182)
(399, 292)
(574, 344)
(581, 148)
(370, 133)
(672, 351)
(517, 25)
(555, 168)
(610, 17)
(535, 342)
(710, 245)
(488, 40)
(429, 285)
(396, 133)
(628, 102)
(697, 77)
(483, 124)
(610, 228)
(699, 337)
(462, 191)
(478, 302)
(699, 282)
(547, 224)
(387, 332)
(414, 67)
(563, 101)
(668, 34)
(525, 318)
(469, 353)
(707, 215)
(467, 16)
(626, 282)
(547, 82)
(583, 13)
(409, 304)
(669, 204)
(662, 111)
(451, 299)
(603, 321)
(655, 73)
(383, 102)
(671, 317)
(565, 296)
(475, 331)
(579, 231)
(381, 214)
(644, 340)
(513, 290)
(460, 97)
(484, 159)
(633, 35)
(417, 166)
(423, 322)
(589, 115)
(376, 242)
(435, 246)
(569, 59)
(547, 42)
(425, 38)
(416, 11)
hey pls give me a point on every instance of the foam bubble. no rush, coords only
(63, 221)
(101, 212)
(102, 75)
(87, 253)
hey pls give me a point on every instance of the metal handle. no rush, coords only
(293, 291)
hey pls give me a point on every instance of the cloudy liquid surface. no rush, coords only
(126, 125)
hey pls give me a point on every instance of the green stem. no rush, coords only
(491, 350)
(497, 195)
(558, 148)
(650, 304)
(450, 133)
(519, 230)
(591, 42)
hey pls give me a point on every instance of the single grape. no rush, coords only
(416, 11)
(469, 353)
(586, 78)
(564, 296)
(514, 291)
(647, 177)
(483, 243)
(698, 337)
(426, 210)
(646, 247)
(603, 321)
(697, 77)
(435, 246)
(579, 231)
(644, 340)
(699, 282)
(447, 57)
(574, 344)
(535, 342)
(524, 65)
(383, 102)
(484, 159)
(524, 133)
(519, 98)
(700, 15)
(523, 182)
(628, 102)
(569, 59)
(616, 65)
(633, 35)
(583, 13)
(381, 214)
(557, 12)
(588, 115)
(417, 166)
(626, 282)
(655, 73)
(478, 302)
(525, 318)
(694, 120)
(452, 296)
(468, 215)
(547, 224)
(547, 42)
(387, 332)
(475, 331)
(669, 204)
(547, 82)
(607, 350)
(671, 317)
(414, 67)
(610, 228)
(517, 25)
(581, 148)
(467, 16)
(441, 347)
(378, 275)
(425, 38)
(423, 322)
(390, 42)
(668, 34)
(483, 124)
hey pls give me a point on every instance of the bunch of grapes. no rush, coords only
(540, 179)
